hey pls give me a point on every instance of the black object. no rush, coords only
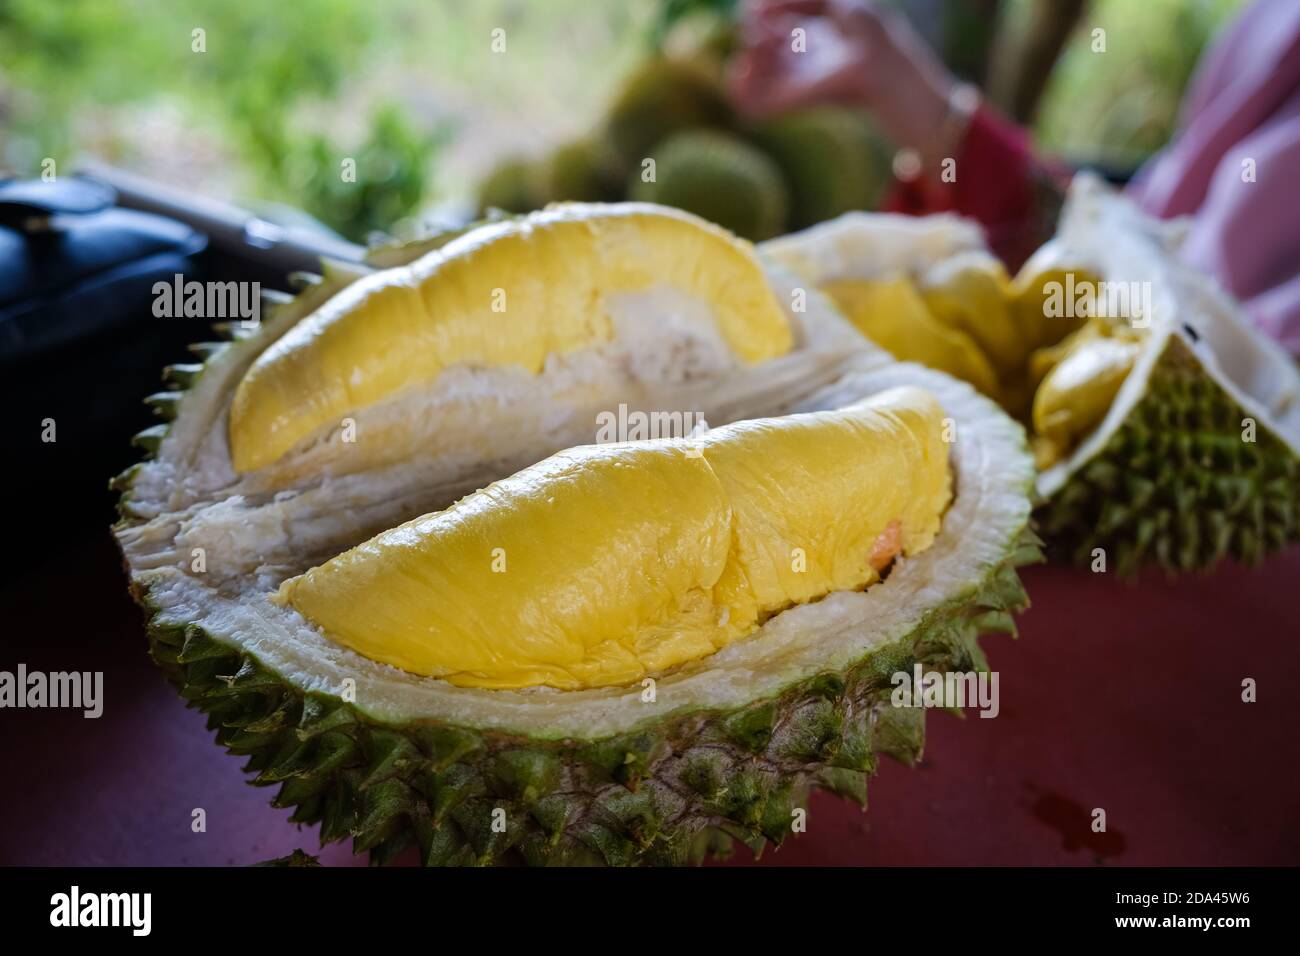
(241, 245)
(25, 199)
(72, 266)
(80, 346)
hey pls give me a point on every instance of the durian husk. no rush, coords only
(1174, 484)
(664, 789)
(1198, 458)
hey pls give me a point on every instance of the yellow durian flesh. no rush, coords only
(604, 564)
(1049, 303)
(892, 313)
(1078, 391)
(972, 294)
(1007, 338)
(1044, 359)
(510, 293)
(811, 496)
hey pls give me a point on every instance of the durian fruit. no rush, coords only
(515, 185)
(719, 177)
(1166, 428)
(584, 170)
(832, 160)
(663, 96)
(508, 644)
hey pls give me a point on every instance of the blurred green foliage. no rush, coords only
(393, 157)
(266, 69)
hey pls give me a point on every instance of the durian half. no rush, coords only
(1166, 428)
(652, 671)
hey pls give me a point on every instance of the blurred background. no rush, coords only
(439, 126)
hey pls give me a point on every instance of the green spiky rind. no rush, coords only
(1176, 485)
(720, 178)
(671, 792)
(165, 405)
(181, 378)
(298, 858)
(832, 160)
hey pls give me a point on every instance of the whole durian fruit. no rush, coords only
(661, 97)
(719, 177)
(832, 159)
(584, 170)
(622, 652)
(1165, 426)
(515, 185)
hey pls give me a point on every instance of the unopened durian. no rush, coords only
(832, 160)
(584, 170)
(663, 96)
(435, 615)
(719, 177)
(515, 185)
(1166, 428)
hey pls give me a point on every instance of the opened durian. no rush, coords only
(1166, 429)
(379, 548)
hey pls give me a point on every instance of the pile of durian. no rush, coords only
(757, 179)
(381, 544)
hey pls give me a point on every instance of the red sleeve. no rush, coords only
(998, 181)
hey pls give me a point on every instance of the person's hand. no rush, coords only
(854, 54)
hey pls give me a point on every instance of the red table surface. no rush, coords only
(1116, 696)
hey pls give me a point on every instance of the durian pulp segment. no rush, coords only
(1032, 344)
(1076, 394)
(509, 294)
(971, 293)
(604, 564)
(892, 313)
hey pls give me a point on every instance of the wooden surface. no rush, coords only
(1122, 697)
